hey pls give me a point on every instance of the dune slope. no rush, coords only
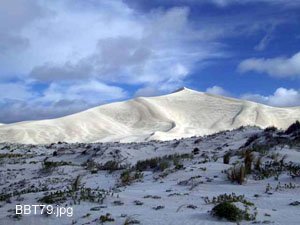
(181, 114)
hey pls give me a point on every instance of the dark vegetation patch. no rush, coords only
(161, 163)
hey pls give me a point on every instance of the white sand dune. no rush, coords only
(181, 114)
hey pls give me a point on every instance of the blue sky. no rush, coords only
(60, 57)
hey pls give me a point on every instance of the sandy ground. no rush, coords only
(175, 190)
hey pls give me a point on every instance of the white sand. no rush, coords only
(181, 114)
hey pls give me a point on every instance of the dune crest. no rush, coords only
(183, 113)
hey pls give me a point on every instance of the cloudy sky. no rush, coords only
(62, 56)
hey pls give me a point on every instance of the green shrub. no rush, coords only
(196, 151)
(178, 165)
(10, 155)
(127, 177)
(294, 128)
(227, 211)
(160, 163)
(111, 166)
(50, 164)
(163, 165)
(106, 218)
(270, 129)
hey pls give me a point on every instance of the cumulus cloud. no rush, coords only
(69, 55)
(147, 92)
(282, 97)
(14, 16)
(286, 3)
(67, 47)
(158, 49)
(18, 103)
(92, 92)
(14, 110)
(218, 3)
(217, 90)
(277, 67)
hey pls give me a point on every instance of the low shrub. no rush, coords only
(270, 129)
(294, 128)
(227, 210)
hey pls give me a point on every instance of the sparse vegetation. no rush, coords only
(164, 179)
(76, 196)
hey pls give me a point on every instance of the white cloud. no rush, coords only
(264, 42)
(284, 3)
(277, 67)
(217, 90)
(147, 92)
(136, 49)
(15, 91)
(156, 49)
(14, 16)
(92, 92)
(18, 102)
(86, 50)
(282, 97)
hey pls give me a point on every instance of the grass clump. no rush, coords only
(160, 163)
(111, 166)
(248, 161)
(10, 155)
(49, 165)
(106, 218)
(127, 177)
(228, 198)
(237, 174)
(226, 158)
